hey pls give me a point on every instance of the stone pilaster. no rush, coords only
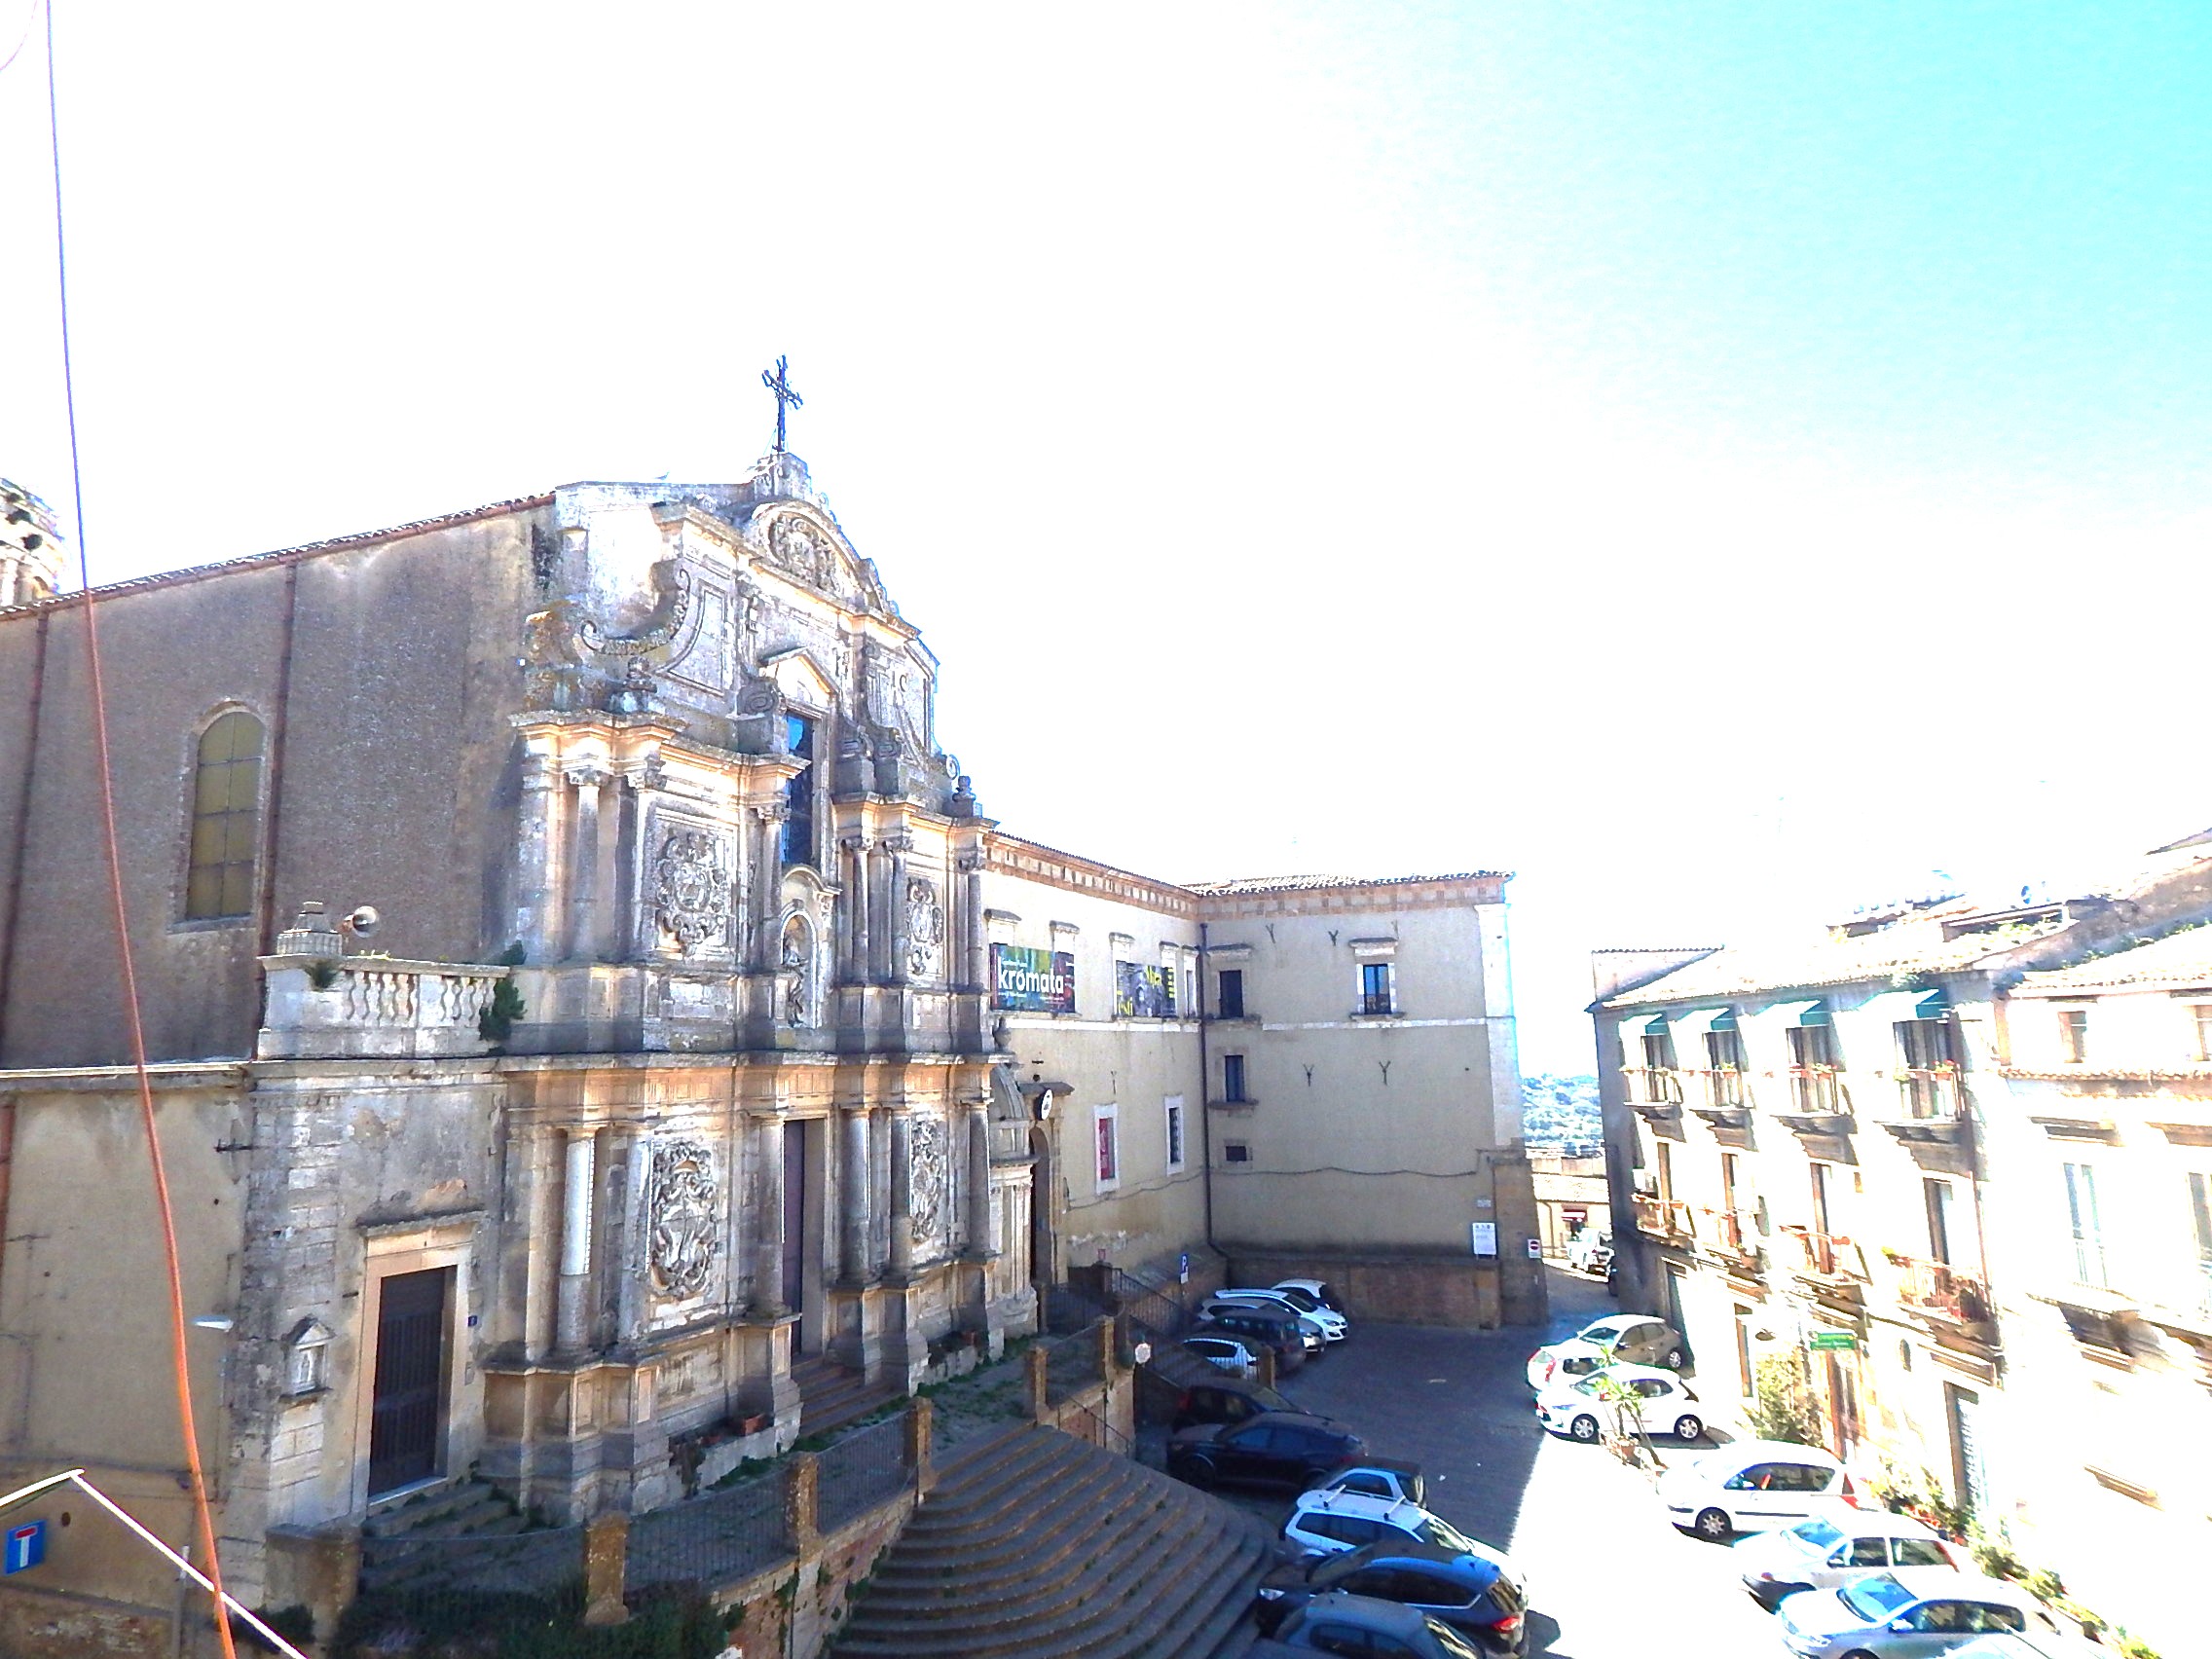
(583, 867)
(901, 1196)
(768, 1246)
(571, 1318)
(853, 1182)
(895, 904)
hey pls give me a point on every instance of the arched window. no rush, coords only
(226, 818)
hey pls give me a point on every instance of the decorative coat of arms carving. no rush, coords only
(925, 930)
(926, 1173)
(691, 887)
(799, 548)
(683, 1228)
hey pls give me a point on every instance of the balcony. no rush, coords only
(1943, 1293)
(1654, 1093)
(1829, 1264)
(1731, 1238)
(1666, 1220)
(1932, 1105)
(1723, 1102)
(1376, 1005)
(1818, 1103)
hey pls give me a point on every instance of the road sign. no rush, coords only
(1183, 1268)
(27, 1546)
(1833, 1339)
(1485, 1238)
(1535, 1249)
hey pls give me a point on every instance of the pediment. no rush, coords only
(800, 679)
(804, 544)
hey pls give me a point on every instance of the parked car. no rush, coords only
(1273, 1448)
(1906, 1614)
(1756, 1486)
(1618, 1338)
(1277, 1329)
(1822, 1553)
(1331, 1327)
(1305, 1301)
(1589, 1252)
(2034, 1644)
(1223, 1354)
(1321, 1290)
(1334, 1522)
(1336, 1623)
(1474, 1594)
(1225, 1401)
(1380, 1477)
(1580, 1408)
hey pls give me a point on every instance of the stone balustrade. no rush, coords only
(335, 1008)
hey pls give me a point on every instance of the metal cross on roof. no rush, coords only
(780, 382)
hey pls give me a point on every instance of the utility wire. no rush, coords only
(179, 1359)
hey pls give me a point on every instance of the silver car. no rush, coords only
(1822, 1553)
(1910, 1612)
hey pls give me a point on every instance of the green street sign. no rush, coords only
(1833, 1339)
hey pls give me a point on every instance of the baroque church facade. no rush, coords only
(677, 1055)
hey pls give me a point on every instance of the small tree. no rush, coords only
(1782, 1407)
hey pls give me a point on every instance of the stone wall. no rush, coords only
(1390, 1289)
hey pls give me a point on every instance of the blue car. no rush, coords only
(1473, 1594)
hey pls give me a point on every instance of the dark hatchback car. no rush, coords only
(1291, 1449)
(1226, 1401)
(1475, 1597)
(1336, 1623)
(1279, 1331)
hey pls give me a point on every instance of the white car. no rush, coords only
(1306, 1302)
(1223, 1354)
(1378, 1477)
(1822, 1553)
(1320, 1290)
(1756, 1486)
(1618, 1338)
(1907, 1613)
(1582, 1410)
(1329, 1523)
(1332, 1327)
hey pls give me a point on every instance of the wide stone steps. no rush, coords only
(829, 1396)
(1039, 1544)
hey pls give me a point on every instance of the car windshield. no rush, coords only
(1297, 1299)
(1451, 1641)
(1875, 1597)
(1589, 1385)
(1438, 1530)
(1821, 1535)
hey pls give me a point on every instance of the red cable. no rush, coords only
(179, 1360)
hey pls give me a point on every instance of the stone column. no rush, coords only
(537, 921)
(854, 1180)
(858, 856)
(572, 1308)
(902, 1195)
(768, 1249)
(974, 936)
(979, 1241)
(583, 865)
(768, 876)
(895, 902)
(877, 883)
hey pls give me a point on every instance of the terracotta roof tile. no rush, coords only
(2181, 961)
(1308, 883)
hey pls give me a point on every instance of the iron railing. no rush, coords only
(719, 1538)
(1931, 1093)
(1377, 1002)
(1815, 1089)
(1662, 1218)
(1723, 1087)
(513, 1563)
(1731, 1233)
(1825, 1255)
(860, 1471)
(1937, 1287)
(1653, 1085)
(1071, 1364)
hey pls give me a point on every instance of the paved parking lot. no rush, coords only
(1610, 1579)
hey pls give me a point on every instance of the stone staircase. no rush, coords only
(1037, 1545)
(400, 1540)
(831, 1396)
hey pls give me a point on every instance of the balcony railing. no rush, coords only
(1826, 1256)
(1731, 1233)
(1377, 1002)
(1724, 1087)
(1815, 1090)
(1931, 1093)
(1662, 1218)
(1937, 1287)
(1653, 1085)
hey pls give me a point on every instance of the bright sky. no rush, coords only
(1720, 461)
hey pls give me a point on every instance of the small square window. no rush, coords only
(1235, 1151)
(1174, 1113)
(2074, 1034)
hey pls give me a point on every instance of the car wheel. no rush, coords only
(1584, 1428)
(1688, 1427)
(1198, 1472)
(1673, 1359)
(1713, 1524)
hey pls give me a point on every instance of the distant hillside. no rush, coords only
(1560, 1111)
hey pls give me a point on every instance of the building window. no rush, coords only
(1813, 1067)
(798, 792)
(2082, 1215)
(1233, 1079)
(2074, 1035)
(226, 818)
(2201, 1013)
(1725, 1058)
(1174, 1112)
(1375, 989)
(2201, 1213)
(1235, 1151)
(1109, 1148)
(1232, 994)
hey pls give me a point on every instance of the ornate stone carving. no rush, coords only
(925, 930)
(796, 953)
(927, 1177)
(683, 1230)
(673, 584)
(691, 887)
(799, 548)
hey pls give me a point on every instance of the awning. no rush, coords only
(1900, 1006)
(1645, 1026)
(1813, 1012)
(1698, 1022)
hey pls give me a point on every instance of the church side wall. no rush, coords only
(392, 787)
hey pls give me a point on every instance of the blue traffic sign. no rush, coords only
(27, 1546)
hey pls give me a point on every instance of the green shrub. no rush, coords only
(1783, 1407)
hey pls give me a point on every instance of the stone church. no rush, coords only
(583, 997)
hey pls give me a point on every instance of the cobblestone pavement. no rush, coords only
(1610, 1578)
